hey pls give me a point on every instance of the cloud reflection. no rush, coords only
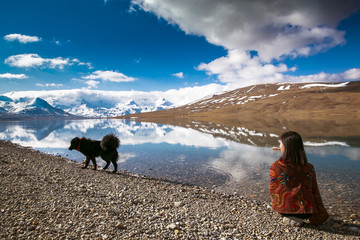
(54, 136)
(350, 153)
(243, 161)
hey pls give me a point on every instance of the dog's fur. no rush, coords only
(106, 149)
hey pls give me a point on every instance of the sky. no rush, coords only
(170, 45)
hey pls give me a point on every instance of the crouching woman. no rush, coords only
(293, 187)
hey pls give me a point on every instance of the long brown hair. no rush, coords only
(294, 148)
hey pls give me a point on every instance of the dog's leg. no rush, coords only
(94, 162)
(114, 162)
(107, 164)
(87, 161)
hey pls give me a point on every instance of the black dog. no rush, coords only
(106, 149)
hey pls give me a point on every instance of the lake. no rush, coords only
(227, 159)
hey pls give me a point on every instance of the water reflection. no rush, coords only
(226, 158)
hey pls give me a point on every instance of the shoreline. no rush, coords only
(46, 197)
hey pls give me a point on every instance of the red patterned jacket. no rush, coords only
(294, 189)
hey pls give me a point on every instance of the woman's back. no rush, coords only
(291, 188)
(293, 185)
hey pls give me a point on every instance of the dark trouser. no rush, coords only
(302, 216)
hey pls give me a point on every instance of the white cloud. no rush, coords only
(179, 75)
(273, 29)
(25, 60)
(239, 69)
(58, 62)
(352, 74)
(86, 64)
(111, 76)
(57, 42)
(49, 85)
(190, 94)
(13, 76)
(34, 60)
(21, 38)
(78, 62)
(349, 75)
(92, 83)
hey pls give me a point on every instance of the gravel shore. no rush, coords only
(51, 197)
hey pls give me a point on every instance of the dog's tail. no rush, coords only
(110, 141)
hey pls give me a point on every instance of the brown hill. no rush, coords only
(316, 109)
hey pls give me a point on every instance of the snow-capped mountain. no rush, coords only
(82, 103)
(27, 107)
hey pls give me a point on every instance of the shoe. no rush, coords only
(292, 221)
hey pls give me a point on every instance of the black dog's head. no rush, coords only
(74, 143)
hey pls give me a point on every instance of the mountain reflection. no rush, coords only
(47, 134)
(210, 149)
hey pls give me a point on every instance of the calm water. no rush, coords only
(204, 157)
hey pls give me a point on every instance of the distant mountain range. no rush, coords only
(263, 102)
(322, 109)
(275, 99)
(78, 103)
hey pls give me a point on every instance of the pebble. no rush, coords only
(353, 216)
(178, 204)
(172, 226)
(50, 197)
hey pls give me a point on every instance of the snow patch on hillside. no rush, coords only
(330, 143)
(324, 85)
(282, 88)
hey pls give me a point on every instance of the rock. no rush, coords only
(172, 226)
(120, 226)
(290, 221)
(353, 216)
(178, 204)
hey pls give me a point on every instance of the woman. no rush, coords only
(293, 187)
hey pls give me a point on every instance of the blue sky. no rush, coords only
(145, 45)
